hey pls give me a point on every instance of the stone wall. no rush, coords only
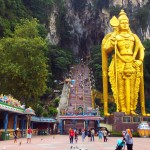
(122, 122)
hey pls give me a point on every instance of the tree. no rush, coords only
(52, 111)
(40, 8)
(95, 65)
(60, 61)
(11, 11)
(23, 69)
(56, 102)
(38, 110)
(2, 7)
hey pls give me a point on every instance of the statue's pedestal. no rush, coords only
(120, 121)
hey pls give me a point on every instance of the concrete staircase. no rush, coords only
(75, 109)
(80, 93)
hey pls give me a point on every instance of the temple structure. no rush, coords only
(13, 115)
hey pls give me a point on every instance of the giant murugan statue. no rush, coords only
(126, 68)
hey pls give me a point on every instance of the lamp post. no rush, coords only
(29, 112)
(28, 116)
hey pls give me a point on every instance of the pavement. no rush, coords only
(61, 142)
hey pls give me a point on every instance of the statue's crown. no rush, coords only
(122, 15)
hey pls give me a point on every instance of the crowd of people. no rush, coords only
(102, 135)
(90, 134)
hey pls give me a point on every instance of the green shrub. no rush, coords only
(119, 134)
(135, 134)
(115, 134)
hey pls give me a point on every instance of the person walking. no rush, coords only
(128, 139)
(100, 135)
(76, 136)
(83, 135)
(15, 135)
(29, 135)
(105, 135)
(89, 135)
(71, 135)
(92, 135)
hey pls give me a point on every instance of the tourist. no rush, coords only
(29, 135)
(76, 136)
(123, 133)
(128, 139)
(92, 135)
(71, 135)
(15, 135)
(89, 135)
(100, 135)
(105, 135)
(37, 130)
(83, 135)
(86, 134)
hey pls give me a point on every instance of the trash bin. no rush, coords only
(5, 135)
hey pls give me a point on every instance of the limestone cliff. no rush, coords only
(85, 22)
(125, 3)
(52, 35)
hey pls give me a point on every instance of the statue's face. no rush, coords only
(124, 24)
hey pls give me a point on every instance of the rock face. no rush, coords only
(87, 23)
(52, 35)
(124, 3)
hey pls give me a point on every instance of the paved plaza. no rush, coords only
(61, 142)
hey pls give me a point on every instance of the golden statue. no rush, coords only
(126, 68)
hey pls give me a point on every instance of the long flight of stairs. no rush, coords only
(76, 103)
(80, 91)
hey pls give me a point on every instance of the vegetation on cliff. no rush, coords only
(29, 63)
